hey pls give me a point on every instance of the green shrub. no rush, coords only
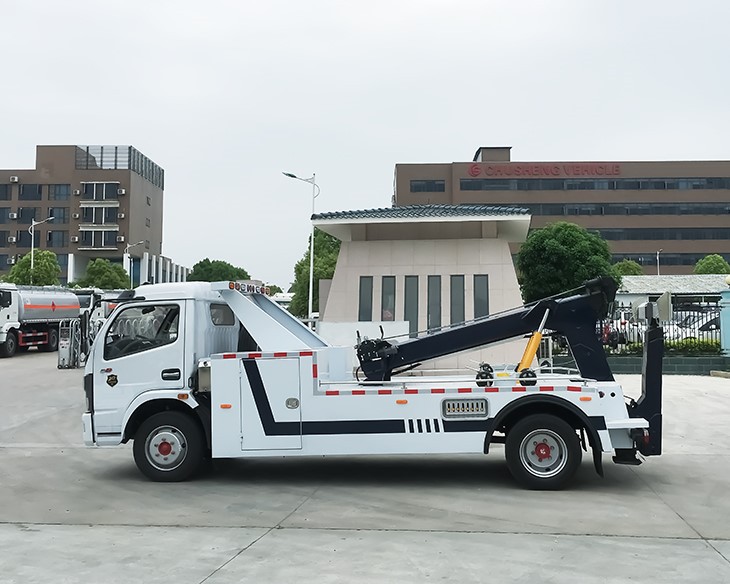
(683, 347)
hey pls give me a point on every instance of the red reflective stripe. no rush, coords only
(51, 306)
(306, 353)
(385, 391)
(254, 355)
(518, 388)
(332, 392)
(229, 356)
(573, 388)
(281, 354)
(358, 392)
(411, 391)
(438, 390)
(547, 388)
(314, 370)
(465, 390)
(491, 389)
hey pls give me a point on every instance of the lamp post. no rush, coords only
(31, 230)
(131, 265)
(315, 194)
(657, 260)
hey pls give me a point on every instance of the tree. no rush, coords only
(712, 264)
(274, 289)
(216, 271)
(326, 250)
(101, 273)
(45, 269)
(628, 268)
(559, 257)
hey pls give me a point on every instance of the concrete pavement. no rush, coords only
(72, 514)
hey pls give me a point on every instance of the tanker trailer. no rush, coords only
(29, 316)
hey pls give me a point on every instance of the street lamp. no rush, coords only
(657, 260)
(315, 194)
(31, 230)
(131, 265)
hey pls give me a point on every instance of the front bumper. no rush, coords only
(88, 429)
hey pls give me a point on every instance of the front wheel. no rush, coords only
(543, 452)
(169, 447)
(8, 348)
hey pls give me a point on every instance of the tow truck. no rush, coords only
(192, 371)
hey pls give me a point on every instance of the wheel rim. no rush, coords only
(10, 344)
(543, 453)
(166, 448)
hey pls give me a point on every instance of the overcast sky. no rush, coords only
(225, 95)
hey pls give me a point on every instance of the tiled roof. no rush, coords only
(421, 211)
(675, 284)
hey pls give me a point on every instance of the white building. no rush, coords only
(428, 265)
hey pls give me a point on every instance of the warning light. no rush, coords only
(238, 286)
(231, 285)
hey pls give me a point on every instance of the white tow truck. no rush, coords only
(195, 370)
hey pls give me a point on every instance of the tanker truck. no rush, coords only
(30, 315)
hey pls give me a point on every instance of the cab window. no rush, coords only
(222, 315)
(141, 328)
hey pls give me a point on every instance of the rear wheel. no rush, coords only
(8, 348)
(169, 447)
(543, 452)
(52, 344)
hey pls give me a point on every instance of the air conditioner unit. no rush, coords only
(120, 239)
(14, 179)
(77, 192)
(11, 260)
(75, 215)
(12, 239)
(74, 239)
(12, 215)
(121, 192)
(120, 215)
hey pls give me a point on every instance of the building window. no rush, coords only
(410, 304)
(387, 299)
(428, 186)
(23, 238)
(433, 300)
(457, 299)
(59, 192)
(4, 259)
(57, 238)
(621, 184)
(110, 215)
(365, 305)
(99, 191)
(4, 214)
(29, 192)
(481, 295)
(28, 214)
(110, 238)
(4, 192)
(3, 243)
(59, 214)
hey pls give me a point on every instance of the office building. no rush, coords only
(105, 202)
(664, 215)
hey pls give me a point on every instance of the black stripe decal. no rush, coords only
(420, 426)
(428, 425)
(465, 426)
(436, 425)
(410, 426)
(274, 428)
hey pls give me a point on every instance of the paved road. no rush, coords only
(71, 514)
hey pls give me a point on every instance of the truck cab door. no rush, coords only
(142, 349)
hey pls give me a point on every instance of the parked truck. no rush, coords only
(30, 315)
(189, 371)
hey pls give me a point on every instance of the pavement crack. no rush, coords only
(263, 535)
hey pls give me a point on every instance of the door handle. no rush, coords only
(171, 374)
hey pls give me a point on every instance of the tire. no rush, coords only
(185, 450)
(52, 344)
(556, 439)
(8, 348)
